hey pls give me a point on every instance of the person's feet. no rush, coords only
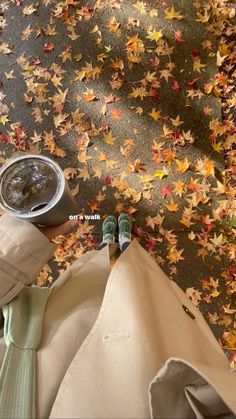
(125, 227)
(109, 229)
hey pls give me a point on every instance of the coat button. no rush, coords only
(188, 312)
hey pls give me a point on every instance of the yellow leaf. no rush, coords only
(141, 7)
(197, 65)
(82, 157)
(10, 75)
(191, 235)
(60, 119)
(161, 173)
(138, 91)
(229, 340)
(218, 147)
(78, 57)
(108, 138)
(155, 114)
(153, 13)
(172, 206)
(26, 33)
(167, 132)
(171, 13)
(218, 241)
(166, 73)
(88, 72)
(117, 63)
(134, 46)
(153, 34)
(84, 174)
(65, 55)
(101, 57)
(139, 110)
(113, 25)
(4, 119)
(146, 178)
(224, 49)
(176, 122)
(179, 188)
(229, 310)
(205, 167)
(182, 165)
(29, 10)
(175, 255)
(5, 48)
(103, 156)
(203, 18)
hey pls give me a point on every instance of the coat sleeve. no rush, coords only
(24, 250)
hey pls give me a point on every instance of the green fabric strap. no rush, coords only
(22, 331)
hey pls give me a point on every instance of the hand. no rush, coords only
(65, 228)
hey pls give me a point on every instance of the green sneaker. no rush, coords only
(109, 226)
(125, 228)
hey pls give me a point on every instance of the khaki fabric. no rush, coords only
(23, 252)
(117, 343)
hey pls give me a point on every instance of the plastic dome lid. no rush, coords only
(28, 185)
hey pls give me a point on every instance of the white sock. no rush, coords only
(123, 239)
(108, 241)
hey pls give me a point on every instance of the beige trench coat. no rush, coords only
(117, 342)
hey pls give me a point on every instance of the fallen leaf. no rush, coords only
(172, 206)
(171, 13)
(155, 114)
(116, 113)
(182, 165)
(48, 46)
(89, 96)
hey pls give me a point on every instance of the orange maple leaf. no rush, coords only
(116, 113)
(113, 25)
(205, 167)
(175, 255)
(89, 95)
(172, 206)
(182, 165)
(94, 205)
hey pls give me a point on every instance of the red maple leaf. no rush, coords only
(36, 60)
(175, 85)
(48, 46)
(107, 180)
(175, 134)
(191, 83)
(178, 36)
(195, 53)
(150, 244)
(104, 127)
(139, 231)
(152, 92)
(166, 190)
(4, 138)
